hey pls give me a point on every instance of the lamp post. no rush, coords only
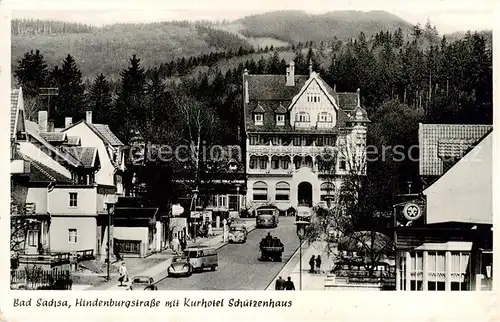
(110, 206)
(301, 232)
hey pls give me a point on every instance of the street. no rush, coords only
(239, 267)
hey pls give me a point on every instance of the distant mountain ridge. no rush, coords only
(107, 49)
(296, 26)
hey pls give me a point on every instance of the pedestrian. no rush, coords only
(318, 264)
(311, 264)
(123, 274)
(280, 284)
(117, 252)
(210, 231)
(289, 286)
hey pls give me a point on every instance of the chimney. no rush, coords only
(67, 122)
(310, 67)
(42, 120)
(290, 74)
(247, 97)
(89, 117)
(359, 98)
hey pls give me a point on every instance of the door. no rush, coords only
(304, 194)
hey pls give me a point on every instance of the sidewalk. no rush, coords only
(159, 271)
(310, 281)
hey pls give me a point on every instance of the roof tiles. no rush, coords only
(437, 141)
(14, 100)
(106, 133)
(268, 94)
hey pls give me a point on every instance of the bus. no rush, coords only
(267, 217)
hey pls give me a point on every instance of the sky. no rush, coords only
(448, 15)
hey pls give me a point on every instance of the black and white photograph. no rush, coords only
(334, 149)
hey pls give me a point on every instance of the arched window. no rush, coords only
(260, 191)
(302, 117)
(325, 117)
(282, 191)
(253, 162)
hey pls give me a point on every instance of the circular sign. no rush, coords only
(412, 211)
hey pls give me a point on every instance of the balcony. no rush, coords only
(28, 209)
(286, 150)
(19, 167)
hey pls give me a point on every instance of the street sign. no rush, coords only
(412, 211)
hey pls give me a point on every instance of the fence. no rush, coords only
(38, 279)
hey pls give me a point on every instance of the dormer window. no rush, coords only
(258, 118)
(280, 119)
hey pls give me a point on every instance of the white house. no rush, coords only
(110, 149)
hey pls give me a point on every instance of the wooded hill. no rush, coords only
(106, 49)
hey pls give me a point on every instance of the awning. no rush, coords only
(452, 246)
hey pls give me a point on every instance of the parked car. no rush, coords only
(141, 283)
(180, 266)
(238, 234)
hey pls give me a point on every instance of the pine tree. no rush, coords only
(31, 73)
(398, 38)
(71, 98)
(130, 99)
(273, 65)
(100, 100)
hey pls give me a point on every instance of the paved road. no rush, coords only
(239, 267)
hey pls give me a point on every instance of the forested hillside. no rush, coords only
(105, 49)
(404, 79)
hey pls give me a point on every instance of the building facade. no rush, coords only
(57, 204)
(302, 138)
(444, 237)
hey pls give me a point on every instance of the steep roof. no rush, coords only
(269, 94)
(273, 87)
(106, 132)
(449, 140)
(102, 131)
(53, 136)
(16, 111)
(34, 130)
(41, 173)
(87, 156)
(14, 100)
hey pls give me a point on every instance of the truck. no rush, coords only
(271, 248)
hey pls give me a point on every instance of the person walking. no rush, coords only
(318, 264)
(289, 286)
(280, 284)
(123, 274)
(311, 264)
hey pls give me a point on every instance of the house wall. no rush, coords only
(58, 201)
(86, 233)
(105, 175)
(314, 108)
(464, 193)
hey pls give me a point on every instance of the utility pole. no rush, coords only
(48, 92)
